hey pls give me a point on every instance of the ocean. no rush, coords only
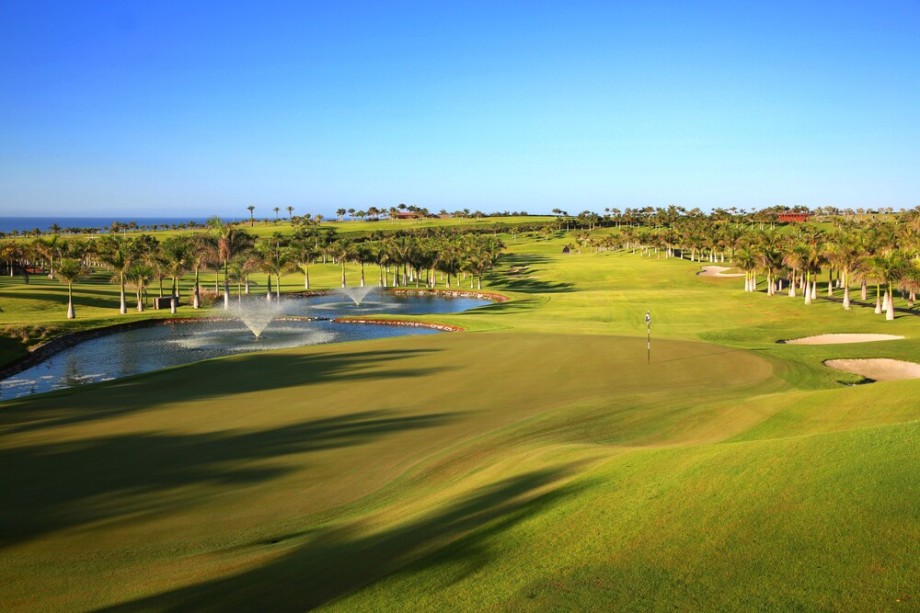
(26, 224)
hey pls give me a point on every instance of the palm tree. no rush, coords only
(888, 269)
(251, 208)
(138, 276)
(176, 254)
(276, 209)
(49, 249)
(273, 260)
(239, 268)
(448, 261)
(480, 255)
(843, 255)
(745, 260)
(769, 257)
(12, 252)
(812, 238)
(400, 253)
(364, 253)
(117, 253)
(796, 258)
(69, 270)
(383, 259)
(229, 241)
(202, 248)
(290, 211)
(897, 269)
(146, 248)
(302, 253)
(341, 250)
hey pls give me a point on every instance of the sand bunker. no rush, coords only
(878, 369)
(717, 271)
(835, 339)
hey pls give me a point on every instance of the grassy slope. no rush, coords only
(537, 463)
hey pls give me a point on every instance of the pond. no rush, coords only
(293, 322)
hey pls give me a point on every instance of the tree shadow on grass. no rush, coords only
(523, 259)
(529, 285)
(519, 277)
(343, 561)
(511, 306)
(202, 380)
(49, 487)
(915, 311)
(83, 296)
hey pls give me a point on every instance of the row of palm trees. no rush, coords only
(884, 253)
(233, 254)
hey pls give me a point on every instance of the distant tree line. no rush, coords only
(881, 252)
(422, 257)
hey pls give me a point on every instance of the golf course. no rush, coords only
(556, 453)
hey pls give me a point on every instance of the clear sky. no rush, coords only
(188, 107)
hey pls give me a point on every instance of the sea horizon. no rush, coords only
(27, 224)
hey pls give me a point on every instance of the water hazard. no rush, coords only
(277, 326)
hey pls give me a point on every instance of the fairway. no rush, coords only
(538, 460)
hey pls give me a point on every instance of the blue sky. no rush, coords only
(199, 108)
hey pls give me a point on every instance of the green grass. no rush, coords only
(534, 462)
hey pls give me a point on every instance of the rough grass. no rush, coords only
(534, 462)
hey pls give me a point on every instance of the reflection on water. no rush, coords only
(146, 349)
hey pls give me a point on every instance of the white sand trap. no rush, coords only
(878, 369)
(717, 271)
(836, 339)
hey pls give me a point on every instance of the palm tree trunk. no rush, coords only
(123, 306)
(196, 293)
(226, 288)
(889, 314)
(268, 285)
(70, 312)
(846, 292)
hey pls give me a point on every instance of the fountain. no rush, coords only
(357, 294)
(258, 314)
